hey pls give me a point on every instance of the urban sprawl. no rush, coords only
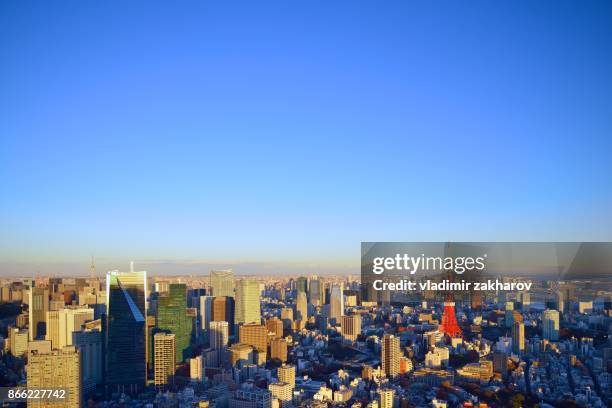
(222, 340)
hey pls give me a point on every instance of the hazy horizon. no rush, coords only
(175, 268)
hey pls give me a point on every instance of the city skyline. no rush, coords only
(313, 342)
(277, 204)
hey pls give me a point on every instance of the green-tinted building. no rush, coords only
(172, 316)
(302, 284)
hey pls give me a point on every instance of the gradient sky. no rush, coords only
(281, 134)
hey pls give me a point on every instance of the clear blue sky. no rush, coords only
(287, 132)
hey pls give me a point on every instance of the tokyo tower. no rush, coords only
(449, 320)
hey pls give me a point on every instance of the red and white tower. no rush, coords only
(449, 319)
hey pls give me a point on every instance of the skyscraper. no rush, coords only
(247, 302)
(62, 323)
(222, 282)
(518, 338)
(219, 335)
(89, 344)
(255, 335)
(218, 339)
(350, 327)
(550, 325)
(38, 308)
(223, 310)
(301, 307)
(172, 316)
(56, 369)
(302, 284)
(150, 327)
(125, 334)
(316, 291)
(336, 302)
(205, 313)
(53, 328)
(193, 296)
(164, 363)
(390, 355)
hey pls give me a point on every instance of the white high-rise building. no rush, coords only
(218, 340)
(336, 302)
(62, 323)
(247, 302)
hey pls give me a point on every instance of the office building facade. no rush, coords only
(125, 331)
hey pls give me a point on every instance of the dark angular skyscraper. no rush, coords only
(125, 331)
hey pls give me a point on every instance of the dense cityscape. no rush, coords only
(328, 204)
(228, 341)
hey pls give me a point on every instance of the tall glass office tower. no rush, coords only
(316, 291)
(336, 302)
(172, 317)
(125, 331)
(302, 284)
(38, 307)
(247, 302)
(222, 282)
